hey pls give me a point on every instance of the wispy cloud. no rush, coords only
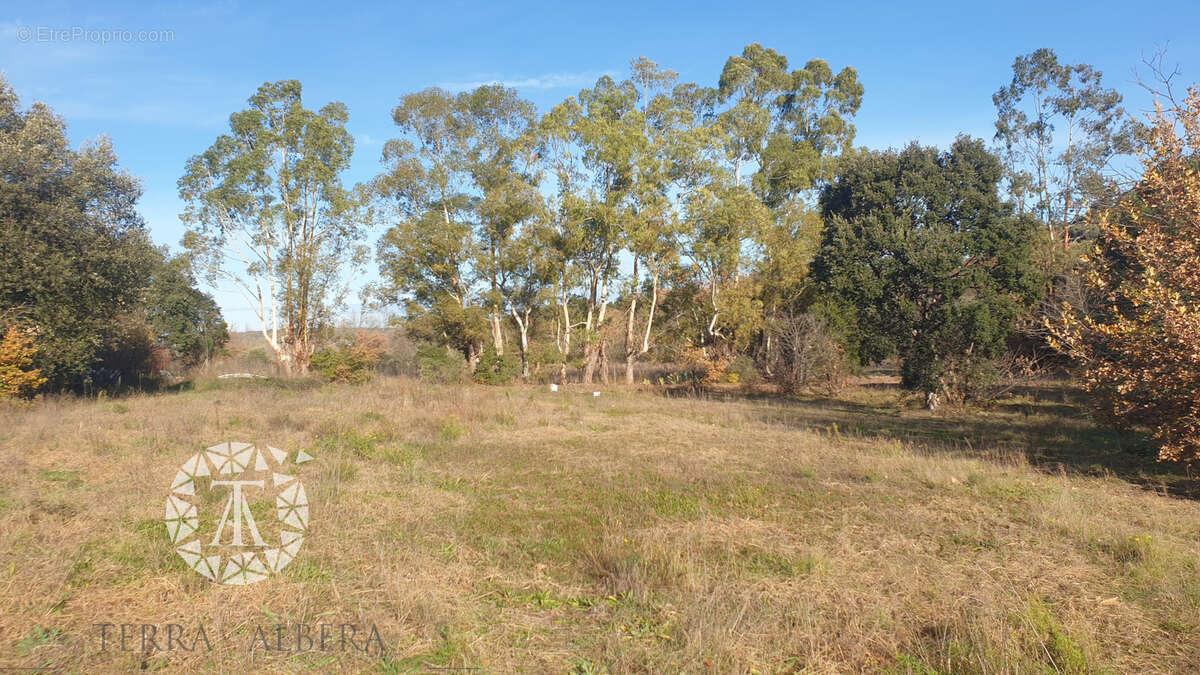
(546, 81)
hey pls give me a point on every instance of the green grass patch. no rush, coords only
(38, 636)
(71, 478)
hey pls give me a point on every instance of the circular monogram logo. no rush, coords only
(236, 513)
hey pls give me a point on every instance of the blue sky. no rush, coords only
(928, 69)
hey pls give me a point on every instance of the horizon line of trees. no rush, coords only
(653, 202)
(729, 228)
(651, 219)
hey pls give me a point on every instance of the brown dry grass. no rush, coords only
(516, 529)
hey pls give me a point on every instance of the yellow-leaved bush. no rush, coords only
(1137, 342)
(18, 377)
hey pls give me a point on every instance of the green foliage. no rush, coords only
(706, 190)
(258, 356)
(462, 180)
(451, 429)
(126, 358)
(78, 268)
(788, 245)
(353, 362)
(791, 124)
(920, 257)
(38, 636)
(743, 371)
(1051, 639)
(1058, 131)
(438, 364)
(496, 369)
(74, 254)
(269, 193)
(841, 320)
(723, 217)
(593, 141)
(186, 319)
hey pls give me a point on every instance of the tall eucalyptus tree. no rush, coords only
(1059, 129)
(268, 213)
(600, 125)
(426, 258)
(502, 161)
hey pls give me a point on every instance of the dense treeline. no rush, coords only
(650, 219)
(642, 218)
(731, 231)
(88, 301)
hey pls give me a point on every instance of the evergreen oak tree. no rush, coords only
(920, 257)
(74, 253)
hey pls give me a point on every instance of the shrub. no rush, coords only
(496, 369)
(544, 359)
(352, 362)
(441, 365)
(127, 357)
(258, 356)
(804, 352)
(18, 377)
(400, 356)
(707, 365)
(743, 371)
(970, 380)
(1138, 343)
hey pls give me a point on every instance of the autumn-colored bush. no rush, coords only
(351, 360)
(18, 377)
(1137, 341)
(708, 365)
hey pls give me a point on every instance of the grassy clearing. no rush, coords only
(518, 529)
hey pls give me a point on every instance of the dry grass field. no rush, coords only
(519, 530)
